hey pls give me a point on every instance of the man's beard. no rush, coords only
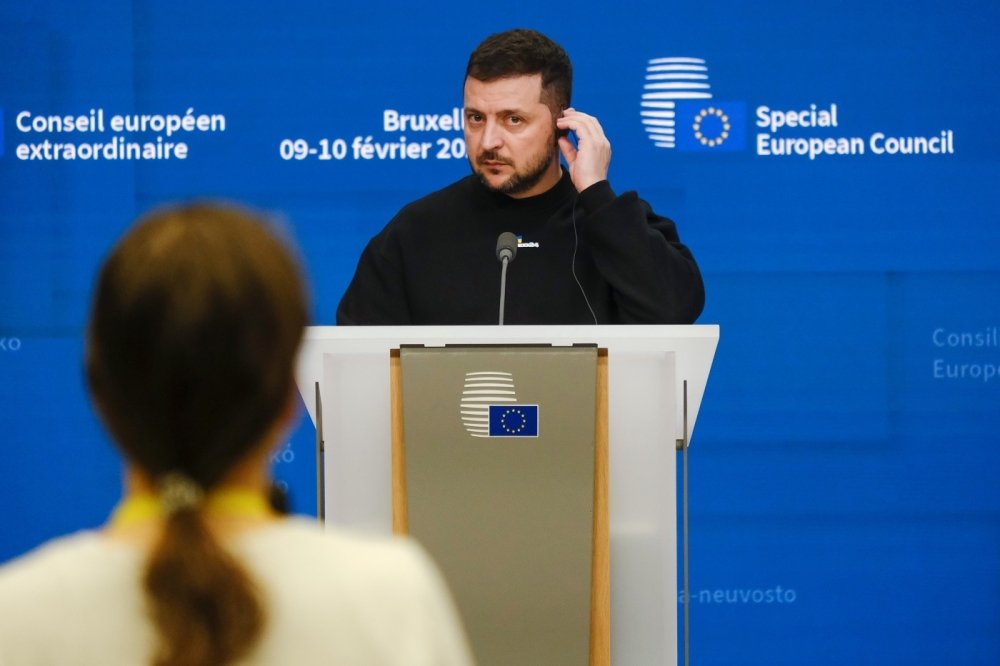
(521, 180)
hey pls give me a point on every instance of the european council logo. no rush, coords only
(677, 109)
(489, 407)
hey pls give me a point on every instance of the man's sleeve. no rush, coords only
(654, 278)
(376, 296)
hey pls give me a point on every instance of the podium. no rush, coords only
(656, 380)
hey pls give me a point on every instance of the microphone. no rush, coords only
(506, 246)
(506, 251)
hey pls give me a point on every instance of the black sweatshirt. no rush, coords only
(435, 262)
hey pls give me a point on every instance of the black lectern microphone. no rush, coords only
(506, 251)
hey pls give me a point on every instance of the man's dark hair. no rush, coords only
(524, 52)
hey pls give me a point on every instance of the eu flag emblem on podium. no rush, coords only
(707, 126)
(513, 420)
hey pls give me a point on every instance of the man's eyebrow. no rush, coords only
(501, 112)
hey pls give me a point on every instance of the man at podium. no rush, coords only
(584, 254)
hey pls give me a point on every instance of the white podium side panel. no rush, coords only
(356, 424)
(642, 503)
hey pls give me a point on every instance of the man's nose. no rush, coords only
(492, 136)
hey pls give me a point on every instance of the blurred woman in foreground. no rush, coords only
(197, 317)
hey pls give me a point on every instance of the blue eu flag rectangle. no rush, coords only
(513, 420)
(707, 126)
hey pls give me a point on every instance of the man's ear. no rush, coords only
(561, 132)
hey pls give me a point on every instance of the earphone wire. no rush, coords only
(576, 245)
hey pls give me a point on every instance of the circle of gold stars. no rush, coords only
(503, 421)
(723, 135)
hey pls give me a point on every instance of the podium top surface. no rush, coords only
(694, 347)
(501, 334)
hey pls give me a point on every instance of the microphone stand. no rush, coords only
(503, 283)
(506, 251)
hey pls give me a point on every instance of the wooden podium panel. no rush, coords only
(518, 523)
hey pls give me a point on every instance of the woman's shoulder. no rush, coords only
(59, 582)
(65, 557)
(298, 544)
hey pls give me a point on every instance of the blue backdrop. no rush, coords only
(845, 487)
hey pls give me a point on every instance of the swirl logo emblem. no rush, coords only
(489, 407)
(676, 112)
(667, 81)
